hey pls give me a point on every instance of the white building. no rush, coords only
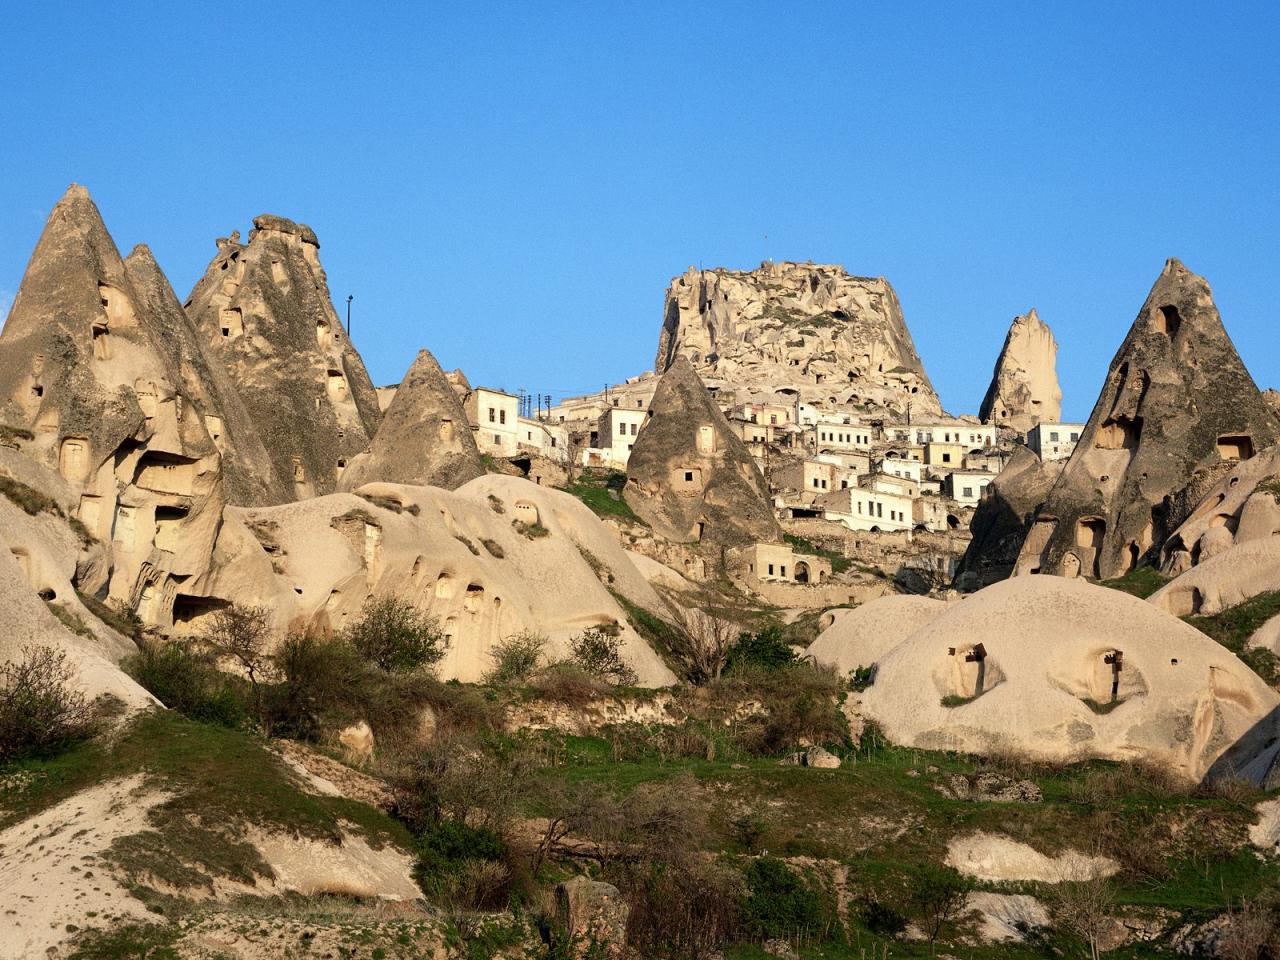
(494, 418)
(966, 487)
(908, 469)
(550, 440)
(972, 435)
(615, 435)
(834, 434)
(861, 509)
(1054, 441)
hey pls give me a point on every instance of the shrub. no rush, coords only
(781, 904)
(394, 635)
(566, 682)
(596, 650)
(860, 678)
(494, 548)
(768, 649)
(515, 658)
(463, 865)
(184, 681)
(118, 617)
(40, 712)
(319, 677)
(688, 909)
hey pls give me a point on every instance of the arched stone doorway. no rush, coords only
(802, 572)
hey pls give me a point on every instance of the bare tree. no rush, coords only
(242, 634)
(703, 641)
(1083, 907)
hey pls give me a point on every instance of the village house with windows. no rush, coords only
(550, 440)
(494, 417)
(966, 487)
(861, 509)
(779, 563)
(1054, 441)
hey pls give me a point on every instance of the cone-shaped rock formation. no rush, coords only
(424, 438)
(1178, 410)
(264, 306)
(1024, 388)
(118, 397)
(689, 476)
(247, 473)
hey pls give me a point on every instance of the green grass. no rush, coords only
(1142, 582)
(839, 562)
(1232, 628)
(597, 490)
(221, 780)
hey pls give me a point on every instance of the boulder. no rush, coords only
(264, 310)
(424, 438)
(1024, 386)
(357, 742)
(796, 329)
(820, 757)
(1177, 411)
(591, 916)
(689, 475)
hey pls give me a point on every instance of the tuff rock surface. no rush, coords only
(1178, 410)
(113, 388)
(264, 309)
(796, 329)
(690, 477)
(424, 438)
(1024, 386)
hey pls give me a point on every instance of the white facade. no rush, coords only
(908, 469)
(1054, 441)
(861, 509)
(975, 436)
(966, 487)
(495, 420)
(832, 434)
(549, 440)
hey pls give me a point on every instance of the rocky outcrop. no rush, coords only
(1003, 518)
(1177, 411)
(689, 476)
(797, 330)
(246, 468)
(264, 308)
(1024, 387)
(424, 438)
(1272, 399)
(496, 557)
(1064, 670)
(110, 383)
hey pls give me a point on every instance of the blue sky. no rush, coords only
(513, 185)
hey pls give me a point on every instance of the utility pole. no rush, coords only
(349, 299)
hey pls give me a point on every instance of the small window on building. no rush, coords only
(771, 569)
(502, 416)
(968, 491)
(493, 415)
(688, 476)
(946, 458)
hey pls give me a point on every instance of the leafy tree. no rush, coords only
(936, 896)
(242, 634)
(395, 636)
(515, 658)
